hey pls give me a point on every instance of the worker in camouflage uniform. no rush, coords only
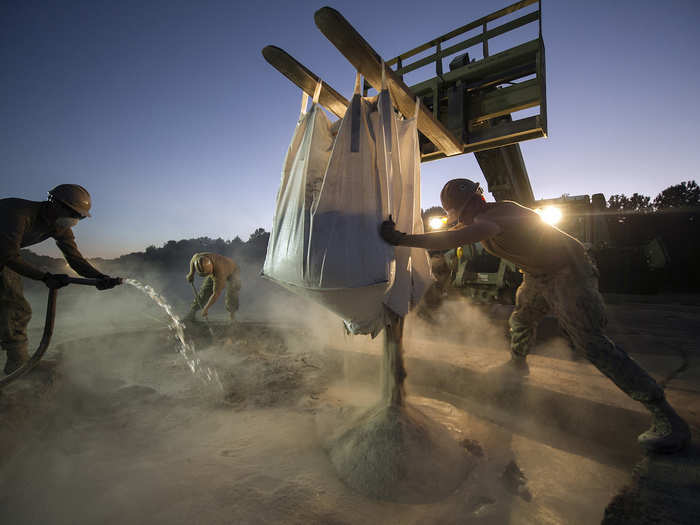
(558, 278)
(24, 223)
(219, 272)
(433, 297)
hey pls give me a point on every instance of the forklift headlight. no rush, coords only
(550, 214)
(437, 223)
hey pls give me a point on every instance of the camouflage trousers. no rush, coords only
(233, 286)
(572, 296)
(15, 313)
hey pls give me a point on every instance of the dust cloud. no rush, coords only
(121, 430)
(460, 324)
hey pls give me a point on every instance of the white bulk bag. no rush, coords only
(334, 194)
(413, 273)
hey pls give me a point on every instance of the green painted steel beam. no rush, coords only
(513, 24)
(524, 55)
(504, 101)
(460, 30)
(506, 133)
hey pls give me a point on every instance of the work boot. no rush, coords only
(518, 364)
(668, 432)
(16, 358)
(514, 370)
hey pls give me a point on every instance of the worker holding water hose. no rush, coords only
(220, 273)
(558, 278)
(25, 223)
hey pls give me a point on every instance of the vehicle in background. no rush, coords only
(485, 278)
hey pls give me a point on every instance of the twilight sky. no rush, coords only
(168, 114)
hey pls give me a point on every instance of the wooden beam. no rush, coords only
(368, 62)
(305, 79)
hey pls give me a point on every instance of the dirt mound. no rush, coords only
(271, 368)
(398, 454)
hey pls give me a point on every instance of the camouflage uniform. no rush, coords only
(558, 278)
(15, 314)
(572, 295)
(233, 286)
(25, 223)
(433, 297)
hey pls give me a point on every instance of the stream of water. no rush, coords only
(185, 348)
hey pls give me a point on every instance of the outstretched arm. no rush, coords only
(190, 275)
(75, 259)
(214, 296)
(443, 240)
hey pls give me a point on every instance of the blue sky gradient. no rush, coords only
(168, 114)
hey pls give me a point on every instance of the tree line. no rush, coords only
(682, 196)
(173, 256)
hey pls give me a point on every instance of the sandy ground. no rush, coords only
(121, 431)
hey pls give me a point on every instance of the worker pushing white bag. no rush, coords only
(334, 194)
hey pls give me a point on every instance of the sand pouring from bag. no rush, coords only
(393, 451)
(186, 350)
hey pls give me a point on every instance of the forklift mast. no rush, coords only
(472, 107)
(475, 98)
(467, 109)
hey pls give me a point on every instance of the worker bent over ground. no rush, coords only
(219, 272)
(24, 223)
(559, 278)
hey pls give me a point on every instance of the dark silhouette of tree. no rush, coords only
(258, 234)
(636, 203)
(434, 210)
(680, 196)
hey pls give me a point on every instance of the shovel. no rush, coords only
(206, 320)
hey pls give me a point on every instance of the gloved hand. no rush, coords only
(56, 280)
(389, 233)
(107, 282)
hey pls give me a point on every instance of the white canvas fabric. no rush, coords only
(334, 194)
(413, 274)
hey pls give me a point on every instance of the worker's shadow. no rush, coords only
(497, 489)
(663, 487)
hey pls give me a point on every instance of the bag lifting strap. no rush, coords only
(356, 115)
(317, 91)
(304, 102)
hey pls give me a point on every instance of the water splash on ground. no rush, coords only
(185, 348)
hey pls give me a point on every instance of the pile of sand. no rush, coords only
(399, 454)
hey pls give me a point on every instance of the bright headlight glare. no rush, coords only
(550, 214)
(436, 223)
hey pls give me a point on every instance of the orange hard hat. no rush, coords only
(204, 265)
(74, 197)
(455, 196)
